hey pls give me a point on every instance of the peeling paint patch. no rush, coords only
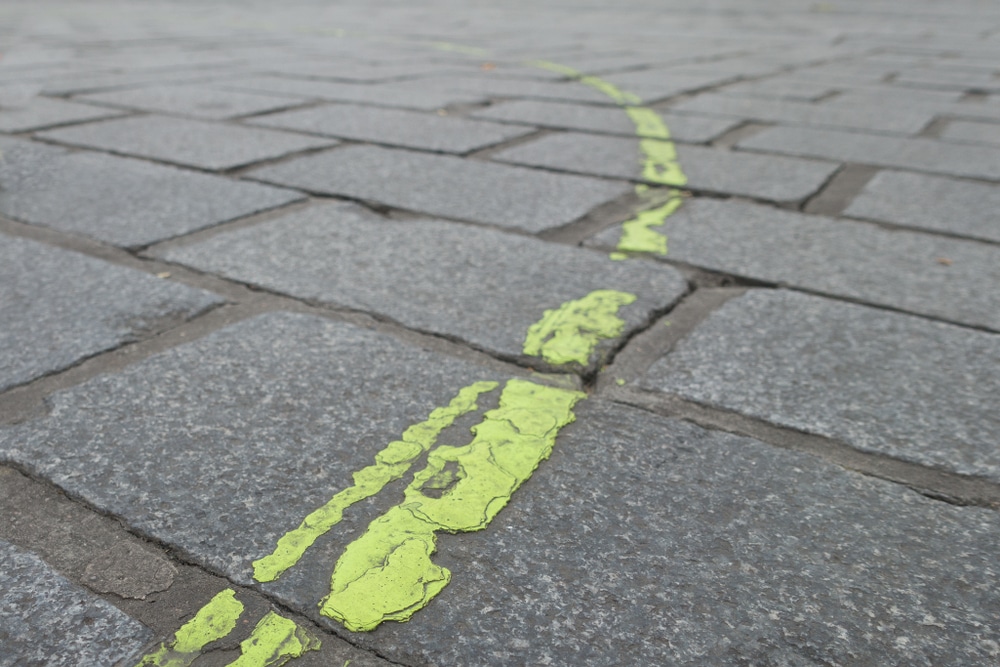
(274, 642)
(640, 235)
(387, 573)
(212, 622)
(572, 331)
(390, 464)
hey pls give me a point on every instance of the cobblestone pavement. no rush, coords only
(525, 333)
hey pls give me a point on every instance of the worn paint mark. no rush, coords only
(572, 331)
(640, 235)
(274, 642)
(387, 573)
(212, 622)
(390, 464)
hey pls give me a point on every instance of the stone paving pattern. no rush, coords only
(244, 248)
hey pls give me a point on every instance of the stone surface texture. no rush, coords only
(199, 101)
(40, 112)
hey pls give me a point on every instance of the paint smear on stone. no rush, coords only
(274, 642)
(640, 233)
(390, 464)
(572, 331)
(387, 573)
(212, 622)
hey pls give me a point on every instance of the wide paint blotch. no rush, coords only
(212, 622)
(390, 464)
(640, 235)
(572, 331)
(274, 641)
(387, 573)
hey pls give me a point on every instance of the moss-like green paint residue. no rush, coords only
(274, 641)
(390, 464)
(648, 123)
(387, 573)
(212, 622)
(640, 234)
(572, 331)
(659, 163)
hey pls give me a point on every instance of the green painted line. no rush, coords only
(572, 331)
(387, 573)
(212, 622)
(390, 464)
(640, 235)
(274, 642)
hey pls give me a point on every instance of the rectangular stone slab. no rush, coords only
(191, 143)
(919, 154)
(46, 620)
(481, 286)
(882, 382)
(930, 202)
(972, 132)
(593, 118)
(717, 170)
(118, 200)
(447, 186)
(395, 127)
(654, 542)
(42, 112)
(220, 446)
(199, 101)
(947, 278)
(59, 307)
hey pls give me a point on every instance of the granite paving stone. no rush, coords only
(716, 170)
(949, 79)
(947, 278)
(59, 307)
(447, 186)
(186, 142)
(882, 382)
(651, 541)
(901, 120)
(345, 70)
(220, 446)
(410, 129)
(41, 112)
(199, 101)
(600, 119)
(500, 87)
(930, 202)
(118, 200)
(972, 132)
(47, 620)
(499, 284)
(918, 154)
(403, 94)
(780, 88)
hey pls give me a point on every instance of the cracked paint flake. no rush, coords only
(390, 464)
(387, 573)
(212, 622)
(572, 331)
(274, 641)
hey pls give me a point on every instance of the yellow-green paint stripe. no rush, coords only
(387, 573)
(390, 464)
(572, 331)
(274, 641)
(212, 622)
(640, 233)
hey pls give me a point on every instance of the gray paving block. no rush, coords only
(872, 118)
(186, 142)
(600, 119)
(354, 70)
(220, 446)
(710, 169)
(651, 541)
(882, 382)
(118, 200)
(930, 202)
(906, 153)
(972, 132)
(949, 79)
(46, 620)
(659, 83)
(41, 112)
(498, 284)
(780, 88)
(500, 87)
(448, 186)
(410, 129)
(403, 94)
(200, 101)
(59, 307)
(942, 277)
